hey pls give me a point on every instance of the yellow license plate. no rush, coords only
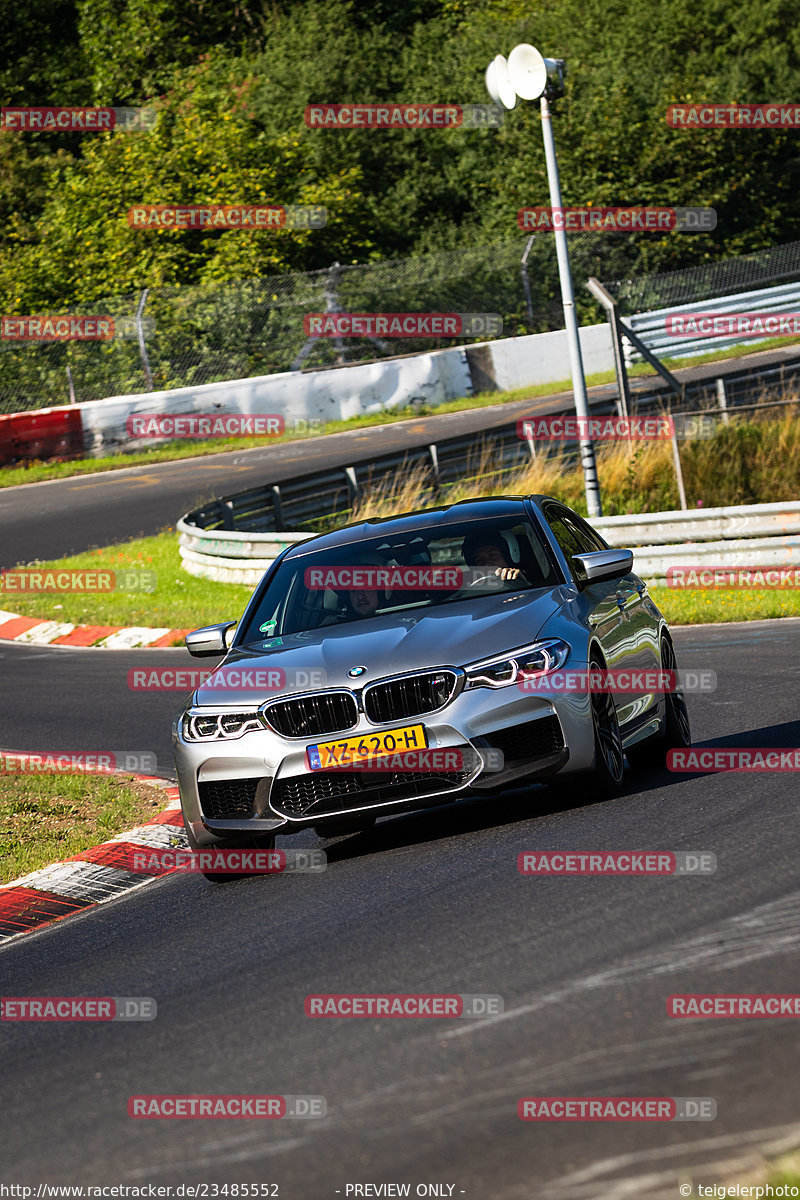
(349, 752)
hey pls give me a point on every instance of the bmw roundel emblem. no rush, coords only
(355, 672)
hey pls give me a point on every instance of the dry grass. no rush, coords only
(748, 461)
(629, 473)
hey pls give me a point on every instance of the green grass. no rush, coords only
(180, 601)
(719, 355)
(36, 472)
(785, 1172)
(44, 818)
(745, 462)
(690, 607)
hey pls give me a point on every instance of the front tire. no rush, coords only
(677, 733)
(609, 767)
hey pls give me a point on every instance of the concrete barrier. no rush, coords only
(43, 433)
(349, 391)
(331, 395)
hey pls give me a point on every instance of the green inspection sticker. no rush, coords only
(267, 627)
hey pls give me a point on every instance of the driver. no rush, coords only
(361, 602)
(489, 550)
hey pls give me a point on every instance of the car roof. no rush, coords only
(511, 508)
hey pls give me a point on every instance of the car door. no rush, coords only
(639, 631)
(608, 607)
(596, 602)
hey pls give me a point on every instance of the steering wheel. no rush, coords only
(481, 579)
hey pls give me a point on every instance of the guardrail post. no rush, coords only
(277, 508)
(676, 458)
(148, 374)
(434, 453)
(723, 401)
(352, 485)
(615, 325)
(526, 283)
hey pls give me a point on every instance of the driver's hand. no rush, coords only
(507, 572)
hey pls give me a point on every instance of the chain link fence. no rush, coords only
(745, 273)
(205, 333)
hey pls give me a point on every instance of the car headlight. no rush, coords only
(202, 726)
(537, 659)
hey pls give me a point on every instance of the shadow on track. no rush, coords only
(485, 811)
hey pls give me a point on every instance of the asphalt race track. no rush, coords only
(66, 516)
(429, 903)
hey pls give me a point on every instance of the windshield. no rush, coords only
(380, 575)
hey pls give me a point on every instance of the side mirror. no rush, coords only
(210, 641)
(603, 564)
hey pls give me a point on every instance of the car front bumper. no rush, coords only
(260, 783)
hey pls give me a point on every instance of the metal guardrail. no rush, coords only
(235, 537)
(651, 326)
(711, 537)
(273, 508)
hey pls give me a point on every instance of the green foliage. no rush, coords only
(231, 82)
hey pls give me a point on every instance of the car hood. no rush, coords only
(451, 635)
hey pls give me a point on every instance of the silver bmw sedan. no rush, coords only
(401, 663)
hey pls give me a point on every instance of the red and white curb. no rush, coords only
(14, 628)
(91, 877)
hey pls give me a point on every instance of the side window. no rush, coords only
(573, 535)
(585, 534)
(565, 536)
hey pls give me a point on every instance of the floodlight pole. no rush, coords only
(591, 483)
